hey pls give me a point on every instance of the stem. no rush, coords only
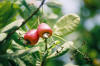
(46, 46)
(44, 60)
(45, 54)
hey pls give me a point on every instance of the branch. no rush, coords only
(24, 22)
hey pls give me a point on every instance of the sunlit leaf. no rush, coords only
(12, 26)
(3, 36)
(66, 24)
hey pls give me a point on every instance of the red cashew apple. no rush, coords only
(43, 28)
(32, 36)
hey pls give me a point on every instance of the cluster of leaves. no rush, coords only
(13, 51)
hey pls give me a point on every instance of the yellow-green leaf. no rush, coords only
(66, 24)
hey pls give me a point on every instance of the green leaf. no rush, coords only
(15, 46)
(8, 12)
(19, 62)
(5, 45)
(55, 62)
(66, 24)
(29, 60)
(20, 53)
(26, 5)
(18, 39)
(54, 4)
(4, 62)
(12, 26)
(57, 11)
(61, 50)
(2, 36)
(32, 23)
(22, 57)
(54, 45)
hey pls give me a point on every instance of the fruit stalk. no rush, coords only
(45, 35)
